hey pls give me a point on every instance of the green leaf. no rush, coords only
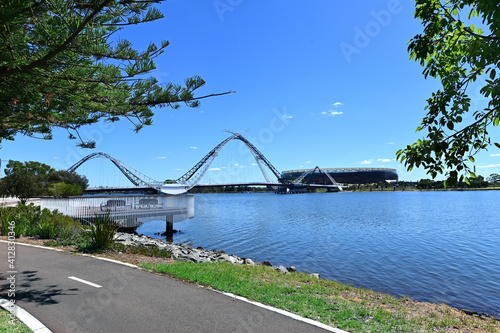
(493, 74)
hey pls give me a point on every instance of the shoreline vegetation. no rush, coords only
(330, 302)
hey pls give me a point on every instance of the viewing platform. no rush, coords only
(127, 211)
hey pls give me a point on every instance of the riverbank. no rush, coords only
(330, 302)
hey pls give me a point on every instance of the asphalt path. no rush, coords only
(72, 293)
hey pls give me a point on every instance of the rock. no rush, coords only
(193, 257)
(176, 254)
(230, 259)
(281, 269)
(170, 233)
(314, 275)
(239, 261)
(249, 262)
(188, 253)
(469, 312)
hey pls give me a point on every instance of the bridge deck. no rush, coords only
(127, 211)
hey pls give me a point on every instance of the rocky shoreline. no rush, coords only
(183, 252)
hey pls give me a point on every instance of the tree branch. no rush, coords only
(486, 115)
(6, 71)
(157, 102)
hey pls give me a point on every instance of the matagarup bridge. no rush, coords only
(192, 178)
(170, 201)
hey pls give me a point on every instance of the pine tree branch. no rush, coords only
(6, 71)
(159, 101)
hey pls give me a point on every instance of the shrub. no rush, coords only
(5, 218)
(31, 221)
(102, 232)
(46, 230)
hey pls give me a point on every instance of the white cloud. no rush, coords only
(495, 154)
(390, 143)
(487, 166)
(161, 157)
(308, 162)
(385, 160)
(367, 162)
(286, 116)
(332, 113)
(214, 169)
(193, 147)
(337, 104)
(254, 164)
(56, 158)
(179, 169)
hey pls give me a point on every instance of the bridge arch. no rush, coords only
(196, 173)
(191, 178)
(135, 176)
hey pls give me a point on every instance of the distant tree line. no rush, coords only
(428, 184)
(35, 179)
(478, 182)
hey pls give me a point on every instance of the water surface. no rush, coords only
(429, 246)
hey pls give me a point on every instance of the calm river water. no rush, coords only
(429, 246)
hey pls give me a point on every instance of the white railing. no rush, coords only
(126, 211)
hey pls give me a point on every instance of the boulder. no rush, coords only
(249, 262)
(281, 269)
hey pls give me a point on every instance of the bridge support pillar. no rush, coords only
(169, 230)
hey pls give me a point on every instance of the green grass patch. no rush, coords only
(151, 251)
(83, 242)
(9, 326)
(329, 302)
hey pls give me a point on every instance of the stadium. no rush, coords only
(346, 175)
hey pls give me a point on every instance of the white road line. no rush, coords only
(285, 313)
(84, 281)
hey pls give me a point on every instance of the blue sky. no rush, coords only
(323, 82)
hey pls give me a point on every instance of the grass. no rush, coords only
(83, 243)
(7, 327)
(330, 302)
(151, 251)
